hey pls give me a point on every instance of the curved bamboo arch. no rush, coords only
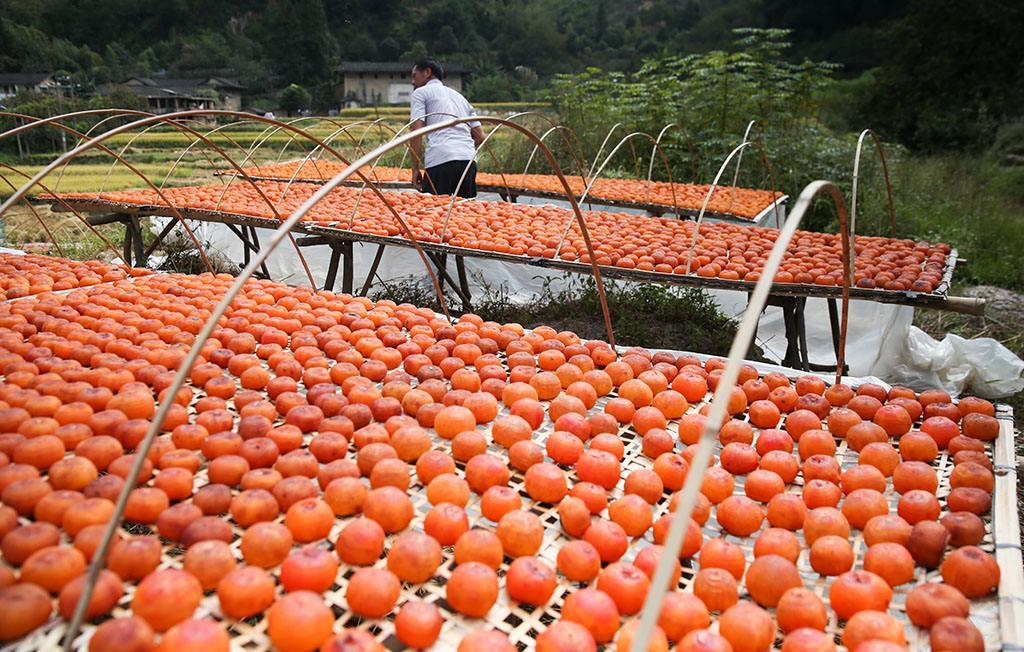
(96, 141)
(32, 209)
(739, 162)
(737, 352)
(572, 152)
(597, 175)
(707, 199)
(172, 119)
(264, 137)
(765, 164)
(136, 136)
(179, 125)
(204, 334)
(269, 133)
(689, 146)
(85, 135)
(656, 147)
(885, 174)
(67, 206)
(600, 150)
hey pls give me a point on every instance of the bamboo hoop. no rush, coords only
(885, 175)
(737, 353)
(600, 150)
(707, 200)
(171, 118)
(739, 162)
(656, 147)
(32, 209)
(574, 153)
(93, 142)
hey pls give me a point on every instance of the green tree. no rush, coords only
(446, 41)
(295, 32)
(389, 49)
(294, 98)
(952, 76)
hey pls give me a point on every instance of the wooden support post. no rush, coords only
(160, 238)
(441, 260)
(256, 247)
(126, 245)
(445, 276)
(833, 320)
(347, 268)
(373, 271)
(792, 357)
(460, 267)
(332, 269)
(137, 245)
(801, 325)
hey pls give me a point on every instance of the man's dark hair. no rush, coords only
(432, 65)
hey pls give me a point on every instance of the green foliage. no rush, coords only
(952, 74)
(969, 202)
(294, 98)
(301, 47)
(711, 98)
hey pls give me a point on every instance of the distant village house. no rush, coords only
(166, 95)
(12, 83)
(371, 83)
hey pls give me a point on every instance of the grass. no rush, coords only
(969, 202)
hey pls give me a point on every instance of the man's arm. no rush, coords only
(416, 145)
(478, 135)
(418, 116)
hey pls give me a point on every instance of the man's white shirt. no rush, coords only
(434, 102)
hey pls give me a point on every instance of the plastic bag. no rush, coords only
(953, 364)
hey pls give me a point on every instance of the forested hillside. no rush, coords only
(931, 73)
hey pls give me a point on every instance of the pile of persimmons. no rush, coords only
(724, 251)
(25, 275)
(332, 455)
(739, 202)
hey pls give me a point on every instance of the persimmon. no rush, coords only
(740, 516)
(716, 588)
(165, 597)
(414, 557)
(800, 608)
(858, 590)
(769, 576)
(748, 627)
(930, 602)
(26, 606)
(777, 541)
(360, 542)
(626, 584)
(301, 620)
(971, 570)
(481, 546)
(472, 589)
(245, 591)
(867, 625)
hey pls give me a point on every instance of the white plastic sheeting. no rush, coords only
(954, 363)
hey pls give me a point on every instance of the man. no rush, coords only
(449, 151)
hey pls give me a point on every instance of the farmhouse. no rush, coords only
(12, 83)
(363, 83)
(165, 95)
